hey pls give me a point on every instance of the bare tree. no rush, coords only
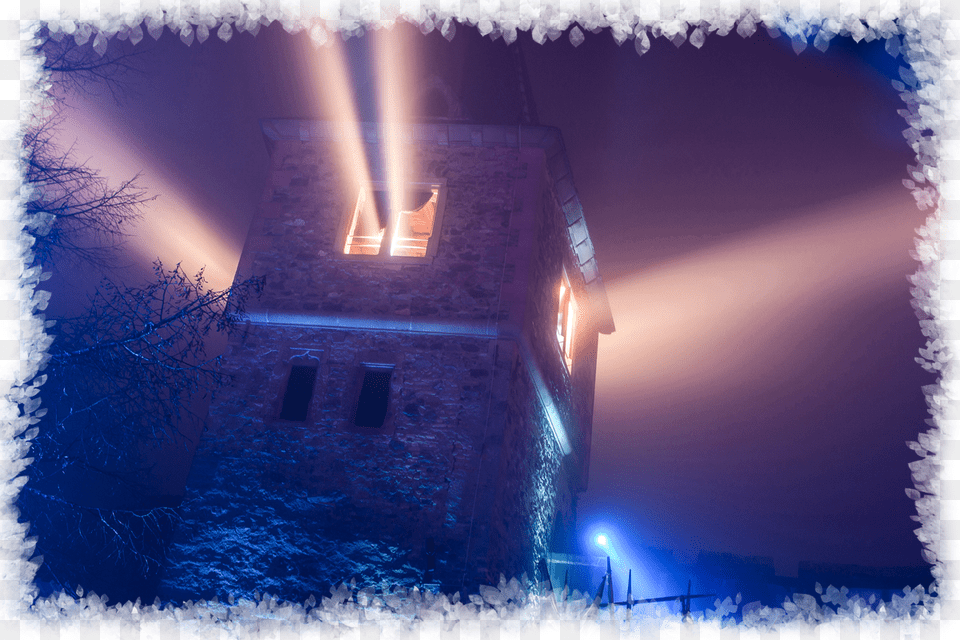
(75, 213)
(82, 66)
(115, 551)
(123, 375)
(135, 360)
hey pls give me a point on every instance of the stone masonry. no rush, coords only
(486, 439)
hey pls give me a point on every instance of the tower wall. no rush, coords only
(291, 507)
(294, 239)
(468, 460)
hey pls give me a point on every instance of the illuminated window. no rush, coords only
(374, 397)
(414, 227)
(368, 224)
(410, 229)
(566, 321)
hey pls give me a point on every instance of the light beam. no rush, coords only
(339, 105)
(173, 227)
(395, 57)
(736, 328)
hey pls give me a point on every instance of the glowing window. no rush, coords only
(566, 321)
(414, 227)
(368, 224)
(410, 229)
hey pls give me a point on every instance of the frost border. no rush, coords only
(917, 29)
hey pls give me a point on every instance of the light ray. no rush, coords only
(729, 316)
(339, 105)
(395, 58)
(173, 227)
(711, 343)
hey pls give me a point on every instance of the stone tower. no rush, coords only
(413, 393)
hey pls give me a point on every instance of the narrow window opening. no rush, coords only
(296, 399)
(566, 321)
(374, 396)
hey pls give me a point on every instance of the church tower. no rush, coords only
(412, 395)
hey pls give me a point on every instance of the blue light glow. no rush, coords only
(655, 572)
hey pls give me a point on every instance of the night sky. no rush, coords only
(750, 224)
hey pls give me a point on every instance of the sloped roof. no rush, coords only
(483, 135)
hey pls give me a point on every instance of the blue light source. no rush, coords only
(602, 540)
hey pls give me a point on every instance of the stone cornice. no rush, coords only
(434, 326)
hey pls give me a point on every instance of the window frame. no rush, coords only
(346, 221)
(566, 332)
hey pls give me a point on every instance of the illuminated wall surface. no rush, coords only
(470, 466)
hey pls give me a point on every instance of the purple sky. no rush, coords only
(749, 220)
(746, 208)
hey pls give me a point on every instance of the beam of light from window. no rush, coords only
(174, 228)
(749, 322)
(339, 104)
(741, 313)
(395, 57)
